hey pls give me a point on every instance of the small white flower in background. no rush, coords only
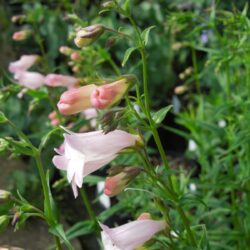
(222, 123)
(192, 187)
(192, 146)
(104, 199)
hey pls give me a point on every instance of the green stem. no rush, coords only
(44, 183)
(155, 132)
(58, 243)
(89, 208)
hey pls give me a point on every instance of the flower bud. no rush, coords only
(18, 18)
(180, 90)
(75, 56)
(4, 195)
(65, 50)
(53, 118)
(21, 35)
(144, 216)
(88, 35)
(108, 5)
(117, 183)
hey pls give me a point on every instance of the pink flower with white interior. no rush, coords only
(85, 153)
(92, 96)
(56, 80)
(24, 63)
(131, 235)
(30, 80)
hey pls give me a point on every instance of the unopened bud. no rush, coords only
(18, 18)
(4, 195)
(117, 183)
(144, 216)
(188, 71)
(21, 35)
(88, 35)
(108, 5)
(180, 90)
(16, 218)
(65, 50)
(75, 56)
(177, 46)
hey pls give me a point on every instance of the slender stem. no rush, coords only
(44, 183)
(89, 208)
(155, 132)
(58, 243)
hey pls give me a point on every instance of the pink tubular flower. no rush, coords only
(25, 62)
(30, 80)
(92, 96)
(56, 80)
(131, 235)
(87, 152)
(75, 100)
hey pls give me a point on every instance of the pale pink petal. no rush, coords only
(133, 234)
(31, 80)
(56, 80)
(25, 62)
(60, 162)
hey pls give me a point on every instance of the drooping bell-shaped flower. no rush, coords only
(25, 62)
(92, 96)
(131, 235)
(30, 80)
(56, 80)
(85, 153)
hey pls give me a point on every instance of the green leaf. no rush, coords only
(54, 216)
(159, 116)
(20, 147)
(93, 179)
(80, 228)
(58, 231)
(46, 138)
(3, 118)
(4, 221)
(127, 54)
(145, 34)
(126, 6)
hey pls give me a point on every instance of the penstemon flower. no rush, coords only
(56, 80)
(30, 80)
(131, 235)
(24, 63)
(85, 153)
(92, 96)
